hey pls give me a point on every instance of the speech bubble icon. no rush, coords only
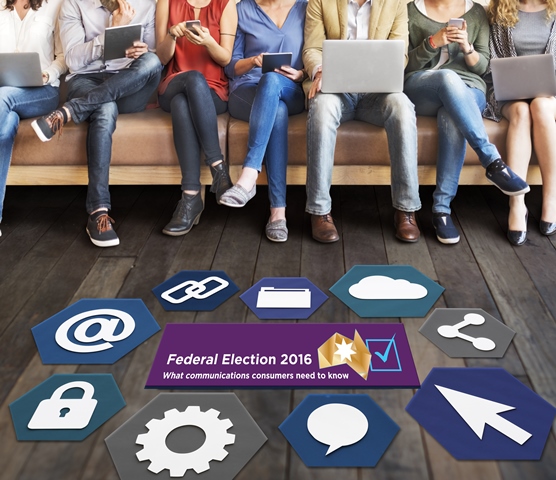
(337, 425)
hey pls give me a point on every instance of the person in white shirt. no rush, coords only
(361, 20)
(99, 90)
(28, 26)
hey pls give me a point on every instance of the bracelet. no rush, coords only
(431, 42)
(471, 50)
(173, 37)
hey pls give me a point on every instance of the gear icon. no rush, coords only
(161, 457)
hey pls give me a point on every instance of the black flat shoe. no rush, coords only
(518, 237)
(547, 228)
(221, 180)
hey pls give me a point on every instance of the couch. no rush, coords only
(143, 153)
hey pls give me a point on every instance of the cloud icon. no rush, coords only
(379, 287)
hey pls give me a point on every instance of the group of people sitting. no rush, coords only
(216, 66)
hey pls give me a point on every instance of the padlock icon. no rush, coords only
(65, 413)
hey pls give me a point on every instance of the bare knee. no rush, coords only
(542, 109)
(519, 115)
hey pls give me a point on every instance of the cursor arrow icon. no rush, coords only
(478, 412)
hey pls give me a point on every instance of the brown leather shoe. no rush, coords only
(323, 228)
(406, 226)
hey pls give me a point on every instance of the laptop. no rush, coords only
(21, 69)
(363, 66)
(520, 78)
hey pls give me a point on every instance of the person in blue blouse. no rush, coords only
(266, 100)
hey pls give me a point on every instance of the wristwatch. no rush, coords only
(471, 50)
(173, 37)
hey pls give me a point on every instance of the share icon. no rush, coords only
(453, 331)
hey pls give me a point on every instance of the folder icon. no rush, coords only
(270, 297)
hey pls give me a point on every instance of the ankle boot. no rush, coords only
(187, 213)
(221, 180)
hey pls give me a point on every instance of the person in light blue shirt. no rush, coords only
(99, 90)
(266, 100)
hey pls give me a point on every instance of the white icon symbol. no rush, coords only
(270, 297)
(56, 412)
(337, 425)
(161, 457)
(478, 412)
(453, 331)
(379, 287)
(194, 289)
(107, 318)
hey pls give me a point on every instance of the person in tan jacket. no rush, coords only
(361, 20)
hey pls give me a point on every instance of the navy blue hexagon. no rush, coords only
(339, 431)
(284, 298)
(482, 414)
(67, 407)
(195, 290)
(94, 331)
(387, 291)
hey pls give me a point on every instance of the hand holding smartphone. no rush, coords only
(191, 24)
(456, 22)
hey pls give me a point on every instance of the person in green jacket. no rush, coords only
(448, 53)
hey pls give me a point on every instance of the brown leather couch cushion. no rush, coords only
(143, 138)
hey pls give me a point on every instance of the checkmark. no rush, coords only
(384, 356)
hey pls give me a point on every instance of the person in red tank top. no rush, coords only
(195, 91)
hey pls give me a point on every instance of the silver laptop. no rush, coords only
(520, 78)
(363, 66)
(20, 70)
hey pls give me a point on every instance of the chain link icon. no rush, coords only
(194, 289)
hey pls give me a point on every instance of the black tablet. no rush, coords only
(118, 39)
(272, 61)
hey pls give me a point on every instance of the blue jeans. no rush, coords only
(266, 107)
(194, 107)
(392, 111)
(442, 93)
(98, 98)
(16, 103)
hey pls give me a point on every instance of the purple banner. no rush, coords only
(283, 355)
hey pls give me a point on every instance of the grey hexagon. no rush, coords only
(467, 333)
(161, 434)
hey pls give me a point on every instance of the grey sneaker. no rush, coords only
(47, 126)
(99, 228)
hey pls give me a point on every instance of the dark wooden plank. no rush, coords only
(456, 267)
(269, 408)
(97, 284)
(418, 255)
(364, 244)
(518, 301)
(160, 258)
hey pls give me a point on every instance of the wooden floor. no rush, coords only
(47, 263)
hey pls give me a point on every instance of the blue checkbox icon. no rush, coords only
(385, 356)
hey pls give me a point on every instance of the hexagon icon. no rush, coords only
(284, 298)
(387, 291)
(339, 431)
(195, 290)
(207, 436)
(467, 332)
(94, 331)
(66, 407)
(482, 414)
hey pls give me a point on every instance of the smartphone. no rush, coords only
(189, 24)
(456, 22)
